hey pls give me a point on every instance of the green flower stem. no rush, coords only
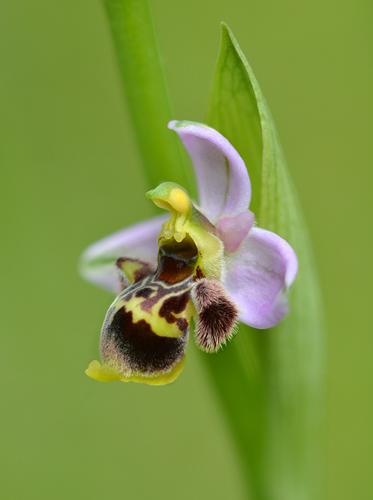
(145, 90)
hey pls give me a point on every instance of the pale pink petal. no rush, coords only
(259, 276)
(223, 182)
(97, 263)
(233, 230)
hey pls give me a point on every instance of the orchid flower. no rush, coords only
(206, 261)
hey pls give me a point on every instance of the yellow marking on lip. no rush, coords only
(106, 373)
(158, 324)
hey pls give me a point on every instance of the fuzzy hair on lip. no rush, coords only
(217, 315)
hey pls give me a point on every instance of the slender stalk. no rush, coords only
(145, 90)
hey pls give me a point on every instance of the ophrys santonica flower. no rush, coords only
(212, 264)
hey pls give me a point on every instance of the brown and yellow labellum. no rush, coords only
(146, 330)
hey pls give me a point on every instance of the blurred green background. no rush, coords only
(70, 174)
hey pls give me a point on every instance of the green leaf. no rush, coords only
(277, 410)
(233, 109)
(146, 91)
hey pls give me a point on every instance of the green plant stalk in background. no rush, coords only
(270, 382)
(145, 90)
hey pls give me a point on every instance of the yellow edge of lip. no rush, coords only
(105, 373)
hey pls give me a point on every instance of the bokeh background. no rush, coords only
(70, 174)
